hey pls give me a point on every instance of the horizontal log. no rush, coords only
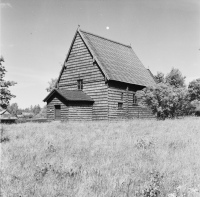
(86, 77)
(81, 54)
(81, 70)
(78, 44)
(80, 63)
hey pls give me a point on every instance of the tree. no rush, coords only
(13, 108)
(165, 101)
(5, 95)
(52, 84)
(170, 97)
(36, 109)
(194, 95)
(43, 113)
(175, 78)
(194, 90)
(160, 77)
(195, 105)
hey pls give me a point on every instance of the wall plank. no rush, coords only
(80, 66)
(51, 109)
(129, 109)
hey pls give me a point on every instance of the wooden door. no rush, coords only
(57, 112)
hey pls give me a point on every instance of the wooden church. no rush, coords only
(98, 81)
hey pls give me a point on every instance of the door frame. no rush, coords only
(56, 105)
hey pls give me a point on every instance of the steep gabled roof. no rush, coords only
(70, 95)
(152, 75)
(119, 62)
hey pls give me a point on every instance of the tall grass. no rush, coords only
(126, 158)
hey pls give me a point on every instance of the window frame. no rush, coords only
(135, 101)
(122, 96)
(120, 105)
(57, 106)
(80, 84)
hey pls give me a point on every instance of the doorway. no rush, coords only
(57, 112)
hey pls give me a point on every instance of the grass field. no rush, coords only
(126, 158)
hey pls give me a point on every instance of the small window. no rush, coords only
(122, 96)
(120, 105)
(134, 98)
(80, 84)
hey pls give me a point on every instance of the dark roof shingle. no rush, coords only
(118, 60)
(75, 95)
(70, 95)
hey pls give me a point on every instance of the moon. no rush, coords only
(107, 27)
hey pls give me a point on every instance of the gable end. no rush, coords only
(94, 59)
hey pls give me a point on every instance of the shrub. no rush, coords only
(197, 108)
(175, 78)
(160, 77)
(3, 137)
(154, 189)
(166, 101)
(194, 90)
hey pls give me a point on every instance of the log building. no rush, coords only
(7, 117)
(98, 81)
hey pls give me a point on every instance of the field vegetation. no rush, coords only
(124, 158)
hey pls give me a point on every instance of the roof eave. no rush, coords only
(49, 95)
(63, 67)
(93, 54)
(128, 83)
(55, 91)
(106, 38)
(80, 100)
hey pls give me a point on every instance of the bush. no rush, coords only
(196, 107)
(175, 78)
(3, 137)
(166, 101)
(194, 90)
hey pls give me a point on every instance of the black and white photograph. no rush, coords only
(99, 98)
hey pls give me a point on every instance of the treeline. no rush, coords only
(31, 112)
(171, 97)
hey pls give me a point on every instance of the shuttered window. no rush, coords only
(80, 84)
(122, 96)
(120, 105)
(134, 98)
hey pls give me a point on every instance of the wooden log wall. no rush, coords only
(78, 112)
(137, 111)
(80, 65)
(129, 109)
(114, 97)
(51, 109)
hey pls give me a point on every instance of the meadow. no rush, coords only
(111, 159)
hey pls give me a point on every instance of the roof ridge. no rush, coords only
(105, 38)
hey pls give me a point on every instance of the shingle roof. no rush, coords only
(2, 112)
(70, 95)
(152, 75)
(118, 61)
